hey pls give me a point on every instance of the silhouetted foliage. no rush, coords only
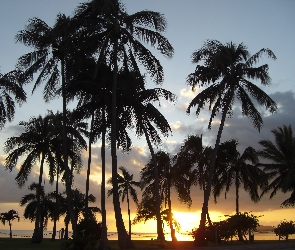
(9, 216)
(284, 229)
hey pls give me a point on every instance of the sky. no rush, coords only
(256, 24)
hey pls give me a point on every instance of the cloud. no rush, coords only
(188, 93)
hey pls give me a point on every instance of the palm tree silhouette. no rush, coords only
(236, 169)
(76, 143)
(45, 205)
(228, 71)
(37, 143)
(232, 168)
(53, 49)
(9, 216)
(281, 169)
(119, 36)
(126, 188)
(168, 177)
(192, 163)
(9, 86)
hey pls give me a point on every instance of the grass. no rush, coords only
(25, 243)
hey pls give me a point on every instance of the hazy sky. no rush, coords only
(257, 24)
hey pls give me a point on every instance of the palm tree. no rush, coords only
(148, 120)
(33, 203)
(192, 163)
(9, 86)
(146, 210)
(119, 35)
(76, 143)
(79, 207)
(126, 188)
(168, 178)
(228, 71)
(37, 143)
(53, 47)
(281, 167)
(9, 216)
(235, 169)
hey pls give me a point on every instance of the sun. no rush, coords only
(191, 220)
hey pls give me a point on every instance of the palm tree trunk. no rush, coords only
(10, 231)
(37, 237)
(129, 215)
(200, 237)
(173, 237)
(89, 161)
(160, 232)
(56, 206)
(123, 238)
(237, 193)
(240, 236)
(104, 240)
(65, 153)
(66, 233)
(72, 165)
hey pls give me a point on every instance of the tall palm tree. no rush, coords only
(37, 143)
(53, 50)
(9, 86)
(93, 103)
(126, 188)
(9, 216)
(281, 162)
(33, 203)
(228, 70)
(119, 36)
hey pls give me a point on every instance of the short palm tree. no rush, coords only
(148, 121)
(168, 178)
(236, 169)
(192, 163)
(126, 188)
(37, 143)
(79, 207)
(229, 71)
(76, 144)
(281, 163)
(9, 216)
(33, 203)
(9, 87)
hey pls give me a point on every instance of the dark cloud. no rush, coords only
(10, 192)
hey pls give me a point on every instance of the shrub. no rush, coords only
(234, 225)
(284, 229)
(89, 234)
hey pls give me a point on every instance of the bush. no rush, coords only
(237, 225)
(284, 229)
(89, 234)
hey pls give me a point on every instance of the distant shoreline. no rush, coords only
(259, 235)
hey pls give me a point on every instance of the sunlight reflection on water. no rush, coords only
(135, 236)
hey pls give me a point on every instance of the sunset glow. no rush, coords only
(189, 25)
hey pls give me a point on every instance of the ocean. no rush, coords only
(135, 236)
